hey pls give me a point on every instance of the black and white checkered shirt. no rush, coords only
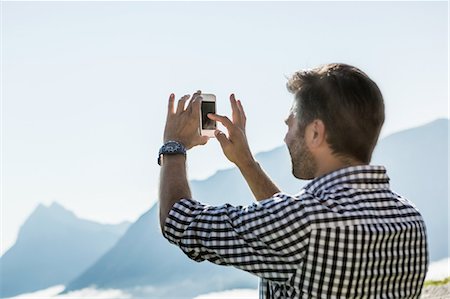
(345, 235)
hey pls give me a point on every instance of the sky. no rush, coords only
(84, 86)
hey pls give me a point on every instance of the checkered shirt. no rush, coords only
(345, 235)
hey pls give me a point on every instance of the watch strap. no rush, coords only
(171, 147)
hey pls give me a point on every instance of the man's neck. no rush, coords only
(333, 163)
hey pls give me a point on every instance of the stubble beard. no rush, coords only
(304, 167)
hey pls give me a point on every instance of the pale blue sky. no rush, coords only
(85, 86)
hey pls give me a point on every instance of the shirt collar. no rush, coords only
(354, 177)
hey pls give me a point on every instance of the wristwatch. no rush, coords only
(171, 148)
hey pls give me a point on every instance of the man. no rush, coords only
(345, 235)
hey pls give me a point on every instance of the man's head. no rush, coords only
(335, 120)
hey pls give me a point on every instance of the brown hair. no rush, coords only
(348, 102)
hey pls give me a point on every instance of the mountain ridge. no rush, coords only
(53, 246)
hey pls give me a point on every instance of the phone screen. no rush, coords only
(208, 107)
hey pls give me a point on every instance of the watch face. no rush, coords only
(172, 148)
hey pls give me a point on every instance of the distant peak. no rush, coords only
(55, 205)
(53, 208)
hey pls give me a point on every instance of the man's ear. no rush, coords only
(316, 134)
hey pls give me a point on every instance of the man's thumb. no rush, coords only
(222, 138)
(203, 140)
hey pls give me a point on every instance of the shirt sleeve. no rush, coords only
(268, 238)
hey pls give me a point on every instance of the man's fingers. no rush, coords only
(243, 117)
(171, 104)
(196, 107)
(234, 108)
(237, 112)
(192, 106)
(222, 119)
(182, 103)
(203, 140)
(239, 104)
(195, 96)
(222, 138)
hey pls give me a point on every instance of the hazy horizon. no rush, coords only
(438, 271)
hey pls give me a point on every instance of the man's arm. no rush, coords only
(259, 182)
(268, 239)
(181, 126)
(237, 150)
(173, 184)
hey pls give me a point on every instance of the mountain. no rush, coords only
(53, 247)
(416, 162)
(144, 257)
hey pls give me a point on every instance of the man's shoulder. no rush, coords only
(354, 207)
(300, 198)
(304, 204)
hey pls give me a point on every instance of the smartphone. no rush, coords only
(207, 126)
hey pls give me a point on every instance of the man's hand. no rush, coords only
(236, 149)
(182, 124)
(235, 146)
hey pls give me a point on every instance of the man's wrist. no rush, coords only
(169, 159)
(165, 140)
(247, 165)
(171, 148)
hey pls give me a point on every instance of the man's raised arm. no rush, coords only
(236, 149)
(181, 127)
